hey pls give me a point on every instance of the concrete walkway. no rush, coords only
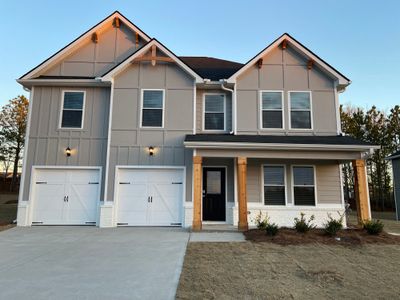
(91, 263)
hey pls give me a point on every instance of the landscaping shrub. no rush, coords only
(261, 221)
(333, 225)
(373, 226)
(302, 225)
(271, 229)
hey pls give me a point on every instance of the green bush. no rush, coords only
(271, 229)
(332, 226)
(373, 226)
(302, 225)
(261, 221)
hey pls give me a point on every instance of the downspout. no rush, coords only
(233, 92)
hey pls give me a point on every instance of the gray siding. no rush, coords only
(94, 59)
(396, 181)
(129, 142)
(47, 143)
(200, 109)
(327, 180)
(285, 70)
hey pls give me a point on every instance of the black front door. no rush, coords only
(213, 194)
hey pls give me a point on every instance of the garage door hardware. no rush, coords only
(175, 224)
(37, 223)
(150, 199)
(93, 183)
(41, 182)
(90, 223)
(119, 224)
(124, 183)
(66, 198)
(177, 183)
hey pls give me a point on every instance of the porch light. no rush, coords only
(151, 150)
(68, 151)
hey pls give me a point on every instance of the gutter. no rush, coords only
(277, 146)
(62, 82)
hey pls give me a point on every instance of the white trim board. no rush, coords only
(297, 46)
(127, 62)
(74, 44)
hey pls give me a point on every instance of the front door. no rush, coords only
(213, 194)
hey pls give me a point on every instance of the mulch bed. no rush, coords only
(347, 237)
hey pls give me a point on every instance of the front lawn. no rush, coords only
(265, 270)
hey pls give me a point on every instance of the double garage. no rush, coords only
(143, 196)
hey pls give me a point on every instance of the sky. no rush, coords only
(360, 38)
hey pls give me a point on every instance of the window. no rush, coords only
(152, 108)
(271, 110)
(72, 109)
(300, 110)
(303, 185)
(214, 112)
(274, 185)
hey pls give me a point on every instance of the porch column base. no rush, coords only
(197, 193)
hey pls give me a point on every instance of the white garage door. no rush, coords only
(149, 197)
(65, 197)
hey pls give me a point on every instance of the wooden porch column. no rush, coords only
(361, 191)
(197, 193)
(242, 191)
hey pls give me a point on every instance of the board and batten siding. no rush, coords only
(129, 142)
(47, 142)
(285, 70)
(95, 59)
(200, 109)
(327, 180)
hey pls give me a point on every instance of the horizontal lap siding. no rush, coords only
(327, 180)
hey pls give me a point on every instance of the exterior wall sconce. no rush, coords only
(151, 150)
(68, 151)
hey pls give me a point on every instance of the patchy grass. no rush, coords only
(250, 270)
(347, 237)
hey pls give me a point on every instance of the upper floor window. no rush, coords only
(73, 104)
(214, 112)
(303, 185)
(300, 110)
(152, 108)
(272, 110)
(274, 185)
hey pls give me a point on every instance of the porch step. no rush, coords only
(219, 228)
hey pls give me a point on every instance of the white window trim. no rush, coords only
(261, 110)
(311, 112)
(315, 185)
(262, 185)
(141, 109)
(62, 109)
(204, 113)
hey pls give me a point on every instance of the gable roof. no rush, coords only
(394, 156)
(210, 67)
(343, 80)
(62, 52)
(126, 62)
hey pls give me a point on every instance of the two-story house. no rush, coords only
(123, 132)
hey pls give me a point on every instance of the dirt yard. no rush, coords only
(251, 270)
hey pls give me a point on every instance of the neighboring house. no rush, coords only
(124, 132)
(395, 158)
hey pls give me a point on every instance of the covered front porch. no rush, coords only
(281, 182)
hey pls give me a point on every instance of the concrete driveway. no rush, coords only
(91, 263)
